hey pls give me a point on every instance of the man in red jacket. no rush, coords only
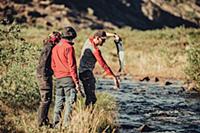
(64, 67)
(90, 55)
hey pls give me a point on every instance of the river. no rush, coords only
(159, 108)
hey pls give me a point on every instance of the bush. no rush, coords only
(18, 59)
(193, 58)
(193, 68)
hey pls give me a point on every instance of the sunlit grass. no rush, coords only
(100, 118)
(160, 53)
(153, 53)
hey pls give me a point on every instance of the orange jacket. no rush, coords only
(63, 60)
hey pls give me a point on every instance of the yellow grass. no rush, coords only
(158, 53)
(100, 118)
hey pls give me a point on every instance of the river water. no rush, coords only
(163, 109)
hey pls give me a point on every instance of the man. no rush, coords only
(91, 54)
(44, 76)
(65, 71)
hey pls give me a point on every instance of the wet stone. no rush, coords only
(145, 79)
(168, 83)
(135, 93)
(127, 126)
(131, 101)
(123, 90)
(181, 105)
(99, 88)
(156, 79)
(145, 128)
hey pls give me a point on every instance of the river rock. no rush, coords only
(157, 79)
(99, 88)
(145, 79)
(168, 83)
(145, 128)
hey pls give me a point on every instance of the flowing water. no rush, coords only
(163, 109)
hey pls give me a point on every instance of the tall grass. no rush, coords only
(100, 118)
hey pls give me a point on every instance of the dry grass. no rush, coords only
(100, 118)
(158, 53)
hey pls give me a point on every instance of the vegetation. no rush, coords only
(193, 59)
(150, 53)
(18, 84)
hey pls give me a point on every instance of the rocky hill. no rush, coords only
(97, 14)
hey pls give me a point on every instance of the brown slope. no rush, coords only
(139, 14)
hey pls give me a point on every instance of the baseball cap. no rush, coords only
(69, 32)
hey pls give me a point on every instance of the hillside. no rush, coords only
(137, 14)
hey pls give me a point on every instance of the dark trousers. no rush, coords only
(88, 82)
(45, 85)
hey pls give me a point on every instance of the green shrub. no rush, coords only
(18, 59)
(193, 68)
(193, 58)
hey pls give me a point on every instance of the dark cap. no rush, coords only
(69, 32)
(100, 33)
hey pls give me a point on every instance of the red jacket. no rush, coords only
(63, 60)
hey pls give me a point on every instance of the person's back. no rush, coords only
(44, 65)
(63, 60)
(64, 66)
(44, 76)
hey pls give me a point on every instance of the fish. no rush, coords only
(120, 53)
